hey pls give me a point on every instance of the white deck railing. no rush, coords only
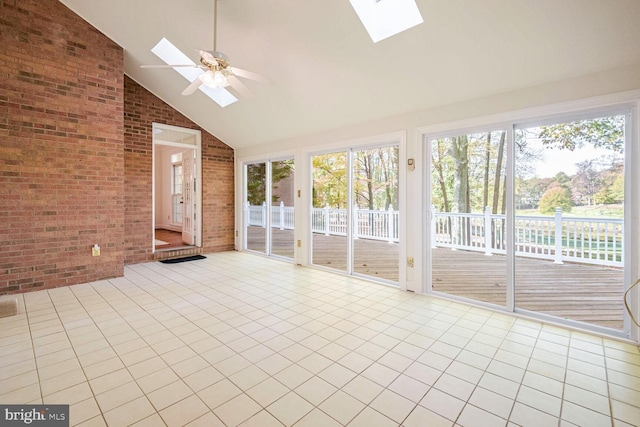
(586, 240)
(368, 224)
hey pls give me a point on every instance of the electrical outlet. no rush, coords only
(95, 250)
(410, 261)
(299, 243)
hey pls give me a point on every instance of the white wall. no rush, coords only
(163, 206)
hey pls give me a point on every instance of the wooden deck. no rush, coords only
(579, 292)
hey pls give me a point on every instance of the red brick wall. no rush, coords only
(70, 174)
(61, 148)
(142, 108)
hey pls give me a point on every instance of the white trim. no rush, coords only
(632, 214)
(613, 104)
(198, 149)
(526, 115)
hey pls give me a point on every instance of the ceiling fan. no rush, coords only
(218, 71)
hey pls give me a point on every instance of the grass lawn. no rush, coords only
(598, 211)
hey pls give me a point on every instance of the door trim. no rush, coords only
(183, 138)
(618, 104)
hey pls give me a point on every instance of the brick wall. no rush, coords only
(70, 175)
(142, 108)
(61, 148)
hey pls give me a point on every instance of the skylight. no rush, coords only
(171, 55)
(385, 18)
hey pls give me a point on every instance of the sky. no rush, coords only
(554, 160)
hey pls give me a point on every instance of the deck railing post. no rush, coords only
(390, 228)
(281, 215)
(247, 212)
(355, 221)
(557, 258)
(264, 214)
(433, 226)
(488, 250)
(326, 220)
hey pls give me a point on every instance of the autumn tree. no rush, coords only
(330, 180)
(604, 132)
(556, 197)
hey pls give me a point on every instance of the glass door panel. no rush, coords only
(375, 212)
(282, 213)
(329, 222)
(256, 207)
(569, 201)
(468, 219)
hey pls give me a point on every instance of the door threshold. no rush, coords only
(175, 248)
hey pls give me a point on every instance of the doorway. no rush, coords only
(269, 226)
(355, 211)
(176, 188)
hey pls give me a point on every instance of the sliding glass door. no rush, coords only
(468, 212)
(375, 212)
(329, 216)
(269, 226)
(551, 238)
(569, 224)
(256, 207)
(355, 216)
(281, 241)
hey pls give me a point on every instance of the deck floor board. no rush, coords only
(581, 292)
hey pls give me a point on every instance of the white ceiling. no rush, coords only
(327, 73)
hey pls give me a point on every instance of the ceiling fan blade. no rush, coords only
(169, 66)
(192, 87)
(239, 87)
(250, 75)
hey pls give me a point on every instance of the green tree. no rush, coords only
(256, 179)
(555, 196)
(604, 132)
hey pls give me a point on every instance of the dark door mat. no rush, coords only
(183, 259)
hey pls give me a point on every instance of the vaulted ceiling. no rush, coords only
(327, 73)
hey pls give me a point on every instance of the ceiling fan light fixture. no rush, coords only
(214, 79)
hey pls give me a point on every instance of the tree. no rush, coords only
(257, 175)
(604, 132)
(256, 183)
(611, 189)
(330, 180)
(459, 152)
(438, 161)
(498, 173)
(389, 162)
(585, 183)
(555, 197)
(487, 165)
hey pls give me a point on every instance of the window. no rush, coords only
(176, 193)
(385, 18)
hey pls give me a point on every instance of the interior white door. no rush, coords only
(189, 197)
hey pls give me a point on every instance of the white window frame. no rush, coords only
(617, 104)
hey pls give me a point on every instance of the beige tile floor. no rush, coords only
(238, 339)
